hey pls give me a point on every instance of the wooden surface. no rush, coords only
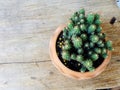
(25, 30)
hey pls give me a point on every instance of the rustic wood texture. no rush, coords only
(25, 30)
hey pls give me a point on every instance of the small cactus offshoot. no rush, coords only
(84, 41)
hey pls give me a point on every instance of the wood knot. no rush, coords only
(51, 73)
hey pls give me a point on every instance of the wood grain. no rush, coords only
(25, 30)
(32, 76)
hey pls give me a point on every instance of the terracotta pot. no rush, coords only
(66, 71)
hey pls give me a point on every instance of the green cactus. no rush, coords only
(94, 56)
(73, 37)
(82, 11)
(80, 51)
(77, 42)
(83, 27)
(73, 56)
(67, 44)
(67, 47)
(103, 50)
(82, 21)
(97, 19)
(99, 28)
(94, 38)
(79, 58)
(99, 42)
(101, 35)
(78, 23)
(90, 53)
(83, 69)
(91, 28)
(91, 45)
(65, 33)
(86, 45)
(67, 41)
(66, 55)
(84, 41)
(90, 18)
(88, 63)
(81, 16)
(97, 50)
(83, 36)
(101, 45)
(76, 18)
(104, 55)
(109, 45)
(70, 25)
(97, 16)
(76, 30)
(98, 22)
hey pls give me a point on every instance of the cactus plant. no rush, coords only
(84, 41)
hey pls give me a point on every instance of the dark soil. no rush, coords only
(72, 64)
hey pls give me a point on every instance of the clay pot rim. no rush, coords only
(66, 71)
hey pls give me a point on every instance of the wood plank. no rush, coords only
(26, 26)
(44, 76)
(25, 30)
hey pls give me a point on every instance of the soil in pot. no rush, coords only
(72, 64)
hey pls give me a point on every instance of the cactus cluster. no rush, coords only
(83, 40)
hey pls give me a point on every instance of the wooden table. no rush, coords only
(25, 30)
